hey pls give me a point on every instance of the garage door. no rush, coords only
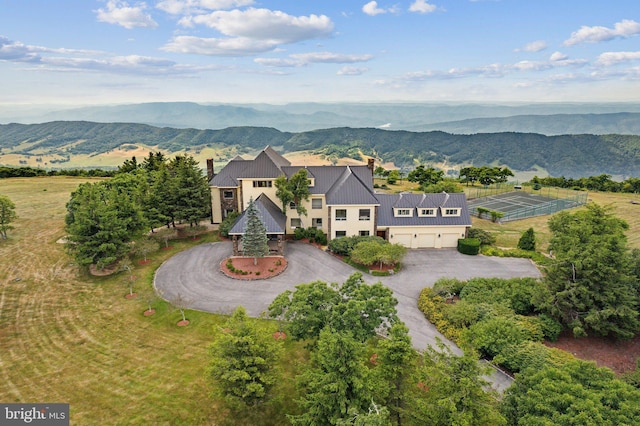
(450, 240)
(426, 240)
(404, 239)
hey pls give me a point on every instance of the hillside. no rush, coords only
(568, 155)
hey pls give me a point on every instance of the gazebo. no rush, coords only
(274, 221)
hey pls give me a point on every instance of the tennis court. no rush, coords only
(519, 205)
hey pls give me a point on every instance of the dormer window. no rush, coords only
(451, 212)
(404, 212)
(312, 182)
(426, 212)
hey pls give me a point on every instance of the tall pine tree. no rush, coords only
(254, 240)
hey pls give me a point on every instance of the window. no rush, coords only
(227, 195)
(364, 233)
(316, 222)
(296, 223)
(341, 214)
(403, 212)
(292, 205)
(451, 212)
(427, 212)
(262, 183)
(341, 234)
(365, 214)
(316, 203)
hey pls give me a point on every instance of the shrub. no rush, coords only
(531, 355)
(550, 327)
(527, 240)
(299, 233)
(344, 245)
(496, 215)
(433, 306)
(470, 246)
(445, 286)
(485, 237)
(228, 223)
(493, 335)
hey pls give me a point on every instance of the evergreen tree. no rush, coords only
(254, 240)
(396, 370)
(193, 195)
(337, 383)
(243, 361)
(7, 215)
(527, 240)
(591, 286)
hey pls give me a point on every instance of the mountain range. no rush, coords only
(547, 119)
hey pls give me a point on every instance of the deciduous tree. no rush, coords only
(293, 190)
(7, 215)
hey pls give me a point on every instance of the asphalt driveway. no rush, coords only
(194, 276)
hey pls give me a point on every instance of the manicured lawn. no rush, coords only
(66, 336)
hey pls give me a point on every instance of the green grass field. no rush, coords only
(66, 336)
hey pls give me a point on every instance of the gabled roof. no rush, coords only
(271, 215)
(266, 165)
(350, 189)
(406, 200)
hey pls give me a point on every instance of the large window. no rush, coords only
(316, 222)
(316, 203)
(341, 234)
(365, 214)
(341, 214)
(227, 195)
(262, 184)
(364, 233)
(292, 205)
(296, 223)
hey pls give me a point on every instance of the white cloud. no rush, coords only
(557, 56)
(352, 71)
(422, 6)
(623, 29)
(249, 32)
(178, 7)
(534, 46)
(303, 59)
(613, 58)
(372, 9)
(120, 13)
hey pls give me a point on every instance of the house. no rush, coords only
(342, 202)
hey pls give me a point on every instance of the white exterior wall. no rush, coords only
(353, 225)
(248, 192)
(426, 236)
(311, 214)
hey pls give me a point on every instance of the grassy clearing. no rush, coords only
(68, 337)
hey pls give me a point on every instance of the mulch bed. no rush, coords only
(267, 267)
(618, 355)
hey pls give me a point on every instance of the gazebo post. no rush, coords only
(235, 245)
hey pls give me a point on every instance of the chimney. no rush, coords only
(371, 165)
(210, 172)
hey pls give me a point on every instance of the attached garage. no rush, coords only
(426, 240)
(451, 240)
(403, 239)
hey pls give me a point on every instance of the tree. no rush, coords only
(527, 240)
(7, 215)
(446, 185)
(592, 289)
(254, 240)
(192, 192)
(396, 369)
(451, 391)
(227, 223)
(337, 383)
(243, 361)
(425, 176)
(144, 246)
(354, 306)
(577, 392)
(393, 177)
(293, 190)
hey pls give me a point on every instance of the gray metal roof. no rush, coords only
(271, 215)
(388, 203)
(350, 189)
(226, 178)
(266, 165)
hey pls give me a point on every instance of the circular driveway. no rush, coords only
(194, 277)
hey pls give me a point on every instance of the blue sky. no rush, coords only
(79, 52)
